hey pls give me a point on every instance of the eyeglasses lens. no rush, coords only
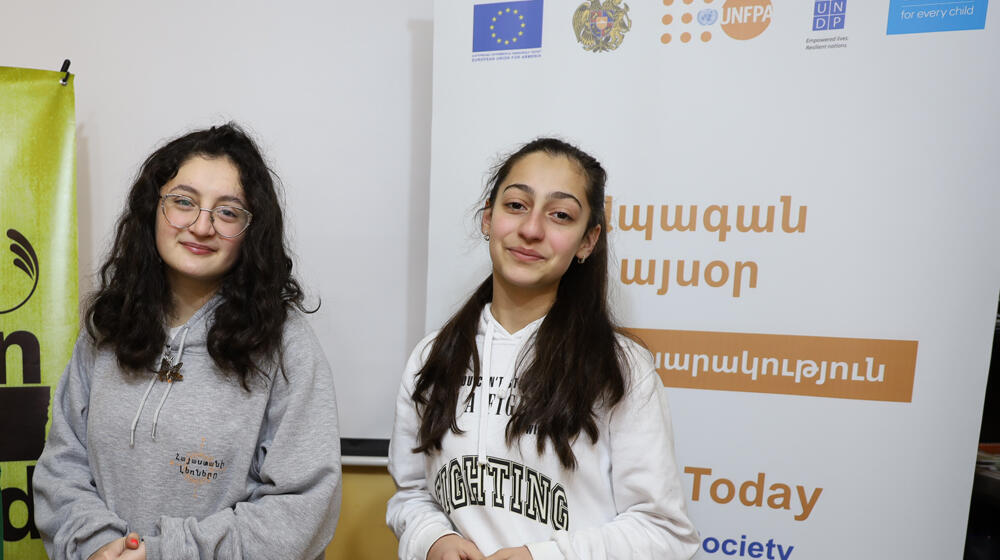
(182, 212)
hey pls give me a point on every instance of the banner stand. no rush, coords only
(39, 298)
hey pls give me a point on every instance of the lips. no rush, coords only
(525, 255)
(197, 248)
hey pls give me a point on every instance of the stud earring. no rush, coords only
(486, 237)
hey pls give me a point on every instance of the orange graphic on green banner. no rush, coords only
(38, 280)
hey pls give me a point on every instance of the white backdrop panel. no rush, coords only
(889, 142)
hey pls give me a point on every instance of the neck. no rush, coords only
(514, 308)
(188, 297)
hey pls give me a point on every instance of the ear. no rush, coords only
(588, 242)
(484, 227)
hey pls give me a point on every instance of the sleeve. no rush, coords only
(412, 513)
(652, 521)
(70, 514)
(293, 507)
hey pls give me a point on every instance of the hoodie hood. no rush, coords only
(197, 329)
(191, 337)
(501, 354)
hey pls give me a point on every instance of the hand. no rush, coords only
(128, 547)
(454, 547)
(515, 553)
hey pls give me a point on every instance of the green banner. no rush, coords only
(38, 280)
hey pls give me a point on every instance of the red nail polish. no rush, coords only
(134, 542)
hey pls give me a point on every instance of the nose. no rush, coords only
(203, 226)
(533, 226)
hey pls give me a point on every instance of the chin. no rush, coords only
(530, 284)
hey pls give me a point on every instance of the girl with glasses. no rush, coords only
(529, 426)
(196, 418)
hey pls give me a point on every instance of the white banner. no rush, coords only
(803, 210)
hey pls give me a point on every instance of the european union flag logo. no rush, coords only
(506, 26)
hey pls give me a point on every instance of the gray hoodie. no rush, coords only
(199, 467)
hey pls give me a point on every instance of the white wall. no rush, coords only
(337, 93)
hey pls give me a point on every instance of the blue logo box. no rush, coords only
(829, 14)
(921, 16)
(505, 26)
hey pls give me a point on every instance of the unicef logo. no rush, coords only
(17, 287)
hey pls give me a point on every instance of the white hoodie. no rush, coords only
(624, 500)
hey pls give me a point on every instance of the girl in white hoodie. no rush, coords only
(529, 426)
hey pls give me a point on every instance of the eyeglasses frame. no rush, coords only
(211, 214)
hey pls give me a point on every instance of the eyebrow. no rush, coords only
(223, 198)
(559, 195)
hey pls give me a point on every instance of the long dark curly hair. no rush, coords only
(128, 311)
(578, 363)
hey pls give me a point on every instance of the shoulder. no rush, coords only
(639, 369)
(85, 343)
(85, 351)
(417, 359)
(297, 333)
(420, 352)
(423, 348)
(80, 371)
(301, 349)
(638, 360)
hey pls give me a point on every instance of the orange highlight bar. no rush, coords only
(843, 368)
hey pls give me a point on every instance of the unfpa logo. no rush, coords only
(745, 19)
(737, 19)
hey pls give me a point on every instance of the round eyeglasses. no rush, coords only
(182, 212)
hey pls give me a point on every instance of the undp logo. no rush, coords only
(18, 284)
(829, 14)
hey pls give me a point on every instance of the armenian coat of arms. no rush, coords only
(601, 26)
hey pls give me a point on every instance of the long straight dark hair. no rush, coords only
(129, 309)
(577, 364)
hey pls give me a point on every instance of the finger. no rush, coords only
(132, 541)
(105, 552)
(472, 551)
(137, 554)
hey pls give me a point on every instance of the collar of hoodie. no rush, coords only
(194, 333)
(493, 332)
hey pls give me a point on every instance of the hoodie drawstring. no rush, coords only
(142, 403)
(484, 377)
(170, 382)
(505, 378)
